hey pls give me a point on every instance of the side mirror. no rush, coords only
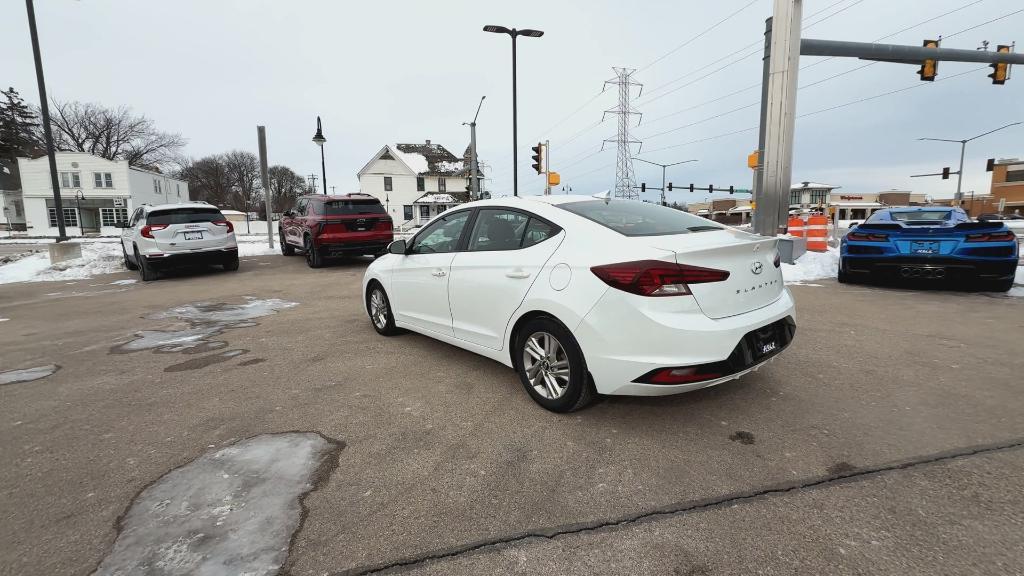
(853, 225)
(120, 224)
(397, 247)
(288, 213)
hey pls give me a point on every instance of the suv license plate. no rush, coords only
(193, 235)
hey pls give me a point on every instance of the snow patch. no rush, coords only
(257, 247)
(123, 282)
(97, 258)
(414, 160)
(812, 266)
(27, 374)
(229, 511)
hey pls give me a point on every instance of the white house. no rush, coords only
(95, 193)
(10, 196)
(415, 182)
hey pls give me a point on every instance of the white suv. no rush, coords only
(168, 235)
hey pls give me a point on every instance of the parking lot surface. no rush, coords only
(887, 439)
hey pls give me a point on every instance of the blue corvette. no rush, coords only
(929, 242)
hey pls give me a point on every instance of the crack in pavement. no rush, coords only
(847, 475)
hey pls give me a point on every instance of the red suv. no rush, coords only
(329, 226)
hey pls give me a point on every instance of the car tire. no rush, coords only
(545, 348)
(844, 276)
(286, 248)
(127, 261)
(378, 306)
(1003, 285)
(231, 264)
(313, 257)
(146, 271)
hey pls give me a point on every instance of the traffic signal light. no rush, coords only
(990, 164)
(945, 173)
(730, 190)
(538, 158)
(669, 186)
(1000, 72)
(711, 188)
(643, 187)
(929, 67)
(691, 186)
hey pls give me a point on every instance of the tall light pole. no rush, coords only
(474, 183)
(963, 149)
(319, 139)
(663, 168)
(44, 108)
(515, 134)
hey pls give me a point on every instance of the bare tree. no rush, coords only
(207, 179)
(285, 187)
(243, 169)
(113, 133)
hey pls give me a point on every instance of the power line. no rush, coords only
(699, 35)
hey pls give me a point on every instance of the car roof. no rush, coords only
(922, 209)
(351, 196)
(196, 204)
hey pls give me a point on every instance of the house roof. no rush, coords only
(439, 160)
(437, 198)
(816, 185)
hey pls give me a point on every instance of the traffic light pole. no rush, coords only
(547, 167)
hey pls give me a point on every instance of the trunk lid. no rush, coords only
(754, 281)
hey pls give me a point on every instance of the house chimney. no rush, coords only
(428, 142)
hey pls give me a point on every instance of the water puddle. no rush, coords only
(229, 511)
(27, 374)
(204, 361)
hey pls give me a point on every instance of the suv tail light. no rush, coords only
(1006, 236)
(227, 223)
(147, 231)
(655, 277)
(864, 237)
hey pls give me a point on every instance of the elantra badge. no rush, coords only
(756, 266)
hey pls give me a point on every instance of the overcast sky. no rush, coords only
(405, 71)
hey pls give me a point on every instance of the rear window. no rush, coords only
(184, 216)
(349, 207)
(631, 218)
(918, 215)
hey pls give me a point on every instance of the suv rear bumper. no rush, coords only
(216, 256)
(370, 248)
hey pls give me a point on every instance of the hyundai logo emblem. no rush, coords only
(756, 267)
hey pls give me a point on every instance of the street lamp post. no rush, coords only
(663, 168)
(963, 149)
(474, 183)
(515, 135)
(319, 139)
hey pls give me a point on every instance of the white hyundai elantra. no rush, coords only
(585, 295)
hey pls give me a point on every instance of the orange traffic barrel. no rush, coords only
(817, 231)
(795, 226)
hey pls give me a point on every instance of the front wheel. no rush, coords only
(379, 308)
(551, 366)
(286, 248)
(127, 261)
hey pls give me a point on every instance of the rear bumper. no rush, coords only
(328, 249)
(205, 257)
(622, 343)
(951, 267)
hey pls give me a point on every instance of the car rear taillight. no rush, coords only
(384, 224)
(864, 237)
(147, 231)
(1007, 236)
(655, 277)
(684, 375)
(227, 223)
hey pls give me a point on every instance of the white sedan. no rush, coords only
(586, 296)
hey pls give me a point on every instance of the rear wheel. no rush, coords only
(127, 261)
(286, 248)
(844, 276)
(146, 271)
(1003, 285)
(551, 366)
(231, 264)
(313, 257)
(379, 308)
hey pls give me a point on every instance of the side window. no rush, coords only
(421, 184)
(442, 235)
(497, 230)
(537, 231)
(313, 207)
(135, 217)
(300, 207)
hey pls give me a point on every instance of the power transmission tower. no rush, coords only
(625, 181)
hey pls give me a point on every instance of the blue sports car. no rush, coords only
(932, 243)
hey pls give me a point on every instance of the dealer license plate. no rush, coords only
(193, 235)
(924, 247)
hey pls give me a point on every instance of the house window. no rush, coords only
(794, 197)
(1015, 175)
(70, 217)
(156, 186)
(441, 208)
(819, 197)
(441, 185)
(102, 180)
(70, 180)
(425, 212)
(111, 216)
(421, 185)
(407, 212)
(387, 183)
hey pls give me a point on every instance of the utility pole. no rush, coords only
(474, 168)
(625, 179)
(44, 109)
(547, 167)
(261, 136)
(312, 183)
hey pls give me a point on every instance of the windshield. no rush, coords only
(920, 215)
(639, 218)
(349, 207)
(184, 216)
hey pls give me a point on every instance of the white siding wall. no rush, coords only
(133, 187)
(144, 192)
(403, 187)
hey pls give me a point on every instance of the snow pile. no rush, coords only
(812, 266)
(415, 161)
(1018, 283)
(97, 258)
(229, 511)
(447, 166)
(254, 246)
(27, 374)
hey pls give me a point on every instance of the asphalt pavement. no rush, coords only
(887, 440)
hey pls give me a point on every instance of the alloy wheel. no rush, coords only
(546, 365)
(378, 309)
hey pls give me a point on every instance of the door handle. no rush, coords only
(439, 273)
(517, 274)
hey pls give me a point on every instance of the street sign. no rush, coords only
(118, 202)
